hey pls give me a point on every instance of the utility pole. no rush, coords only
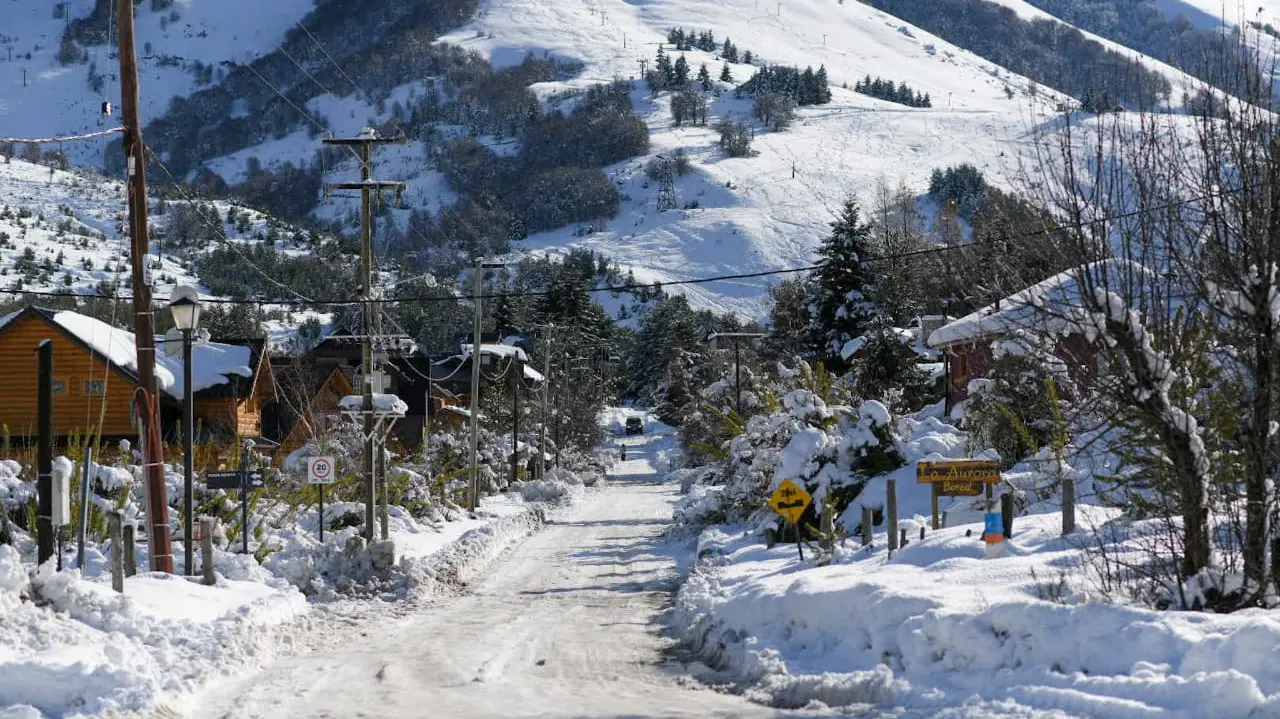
(44, 452)
(161, 545)
(474, 486)
(370, 190)
(516, 376)
(546, 396)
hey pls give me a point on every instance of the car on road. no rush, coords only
(635, 425)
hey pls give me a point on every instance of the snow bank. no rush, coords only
(83, 650)
(939, 626)
(72, 647)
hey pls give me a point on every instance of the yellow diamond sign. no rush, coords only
(790, 500)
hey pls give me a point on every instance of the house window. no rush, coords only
(95, 387)
(59, 386)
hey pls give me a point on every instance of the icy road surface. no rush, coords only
(567, 625)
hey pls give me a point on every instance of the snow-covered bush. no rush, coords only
(832, 450)
(1021, 405)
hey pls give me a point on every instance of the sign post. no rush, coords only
(320, 473)
(959, 478)
(245, 481)
(790, 500)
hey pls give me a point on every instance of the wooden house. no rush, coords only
(228, 402)
(310, 404)
(95, 375)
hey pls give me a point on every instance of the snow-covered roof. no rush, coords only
(113, 343)
(1047, 305)
(460, 411)
(500, 351)
(532, 374)
(384, 404)
(213, 363)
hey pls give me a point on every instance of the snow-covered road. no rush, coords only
(568, 625)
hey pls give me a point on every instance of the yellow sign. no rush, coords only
(790, 500)
(965, 470)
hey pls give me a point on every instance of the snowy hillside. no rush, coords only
(41, 97)
(737, 215)
(63, 232)
(67, 226)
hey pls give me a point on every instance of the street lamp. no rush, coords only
(185, 306)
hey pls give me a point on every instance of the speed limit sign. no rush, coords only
(320, 470)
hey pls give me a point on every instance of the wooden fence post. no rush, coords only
(891, 506)
(207, 528)
(114, 521)
(866, 526)
(130, 558)
(1068, 506)
(1006, 512)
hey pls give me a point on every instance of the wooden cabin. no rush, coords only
(95, 375)
(327, 385)
(228, 402)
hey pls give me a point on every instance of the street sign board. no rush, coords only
(320, 470)
(234, 479)
(964, 470)
(951, 488)
(790, 500)
(222, 480)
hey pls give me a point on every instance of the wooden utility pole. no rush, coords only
(546, 396)
(517, 375)
(369, 190)
(161, 545)
(44, 453)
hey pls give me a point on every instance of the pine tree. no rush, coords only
(681, 72)
(842, 308)
(666, 73)
(725, 74)
(747, 57)
(704, 78)
(823, 86)
(730, 52)
(808, 88)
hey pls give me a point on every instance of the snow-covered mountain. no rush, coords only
(736, 215)
(64, 232)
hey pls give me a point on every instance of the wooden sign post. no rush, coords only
(958, 478)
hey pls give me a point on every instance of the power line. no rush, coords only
(304, 301)
(284, 97)
(67, 138)
(220, 232)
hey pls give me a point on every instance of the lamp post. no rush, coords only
(185, 306)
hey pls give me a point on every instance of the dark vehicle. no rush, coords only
(635, 425)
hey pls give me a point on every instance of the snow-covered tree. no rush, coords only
(841, 305)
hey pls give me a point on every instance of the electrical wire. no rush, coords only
(66, 138)
(284, 97)
(301, 300)
(220, 232)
